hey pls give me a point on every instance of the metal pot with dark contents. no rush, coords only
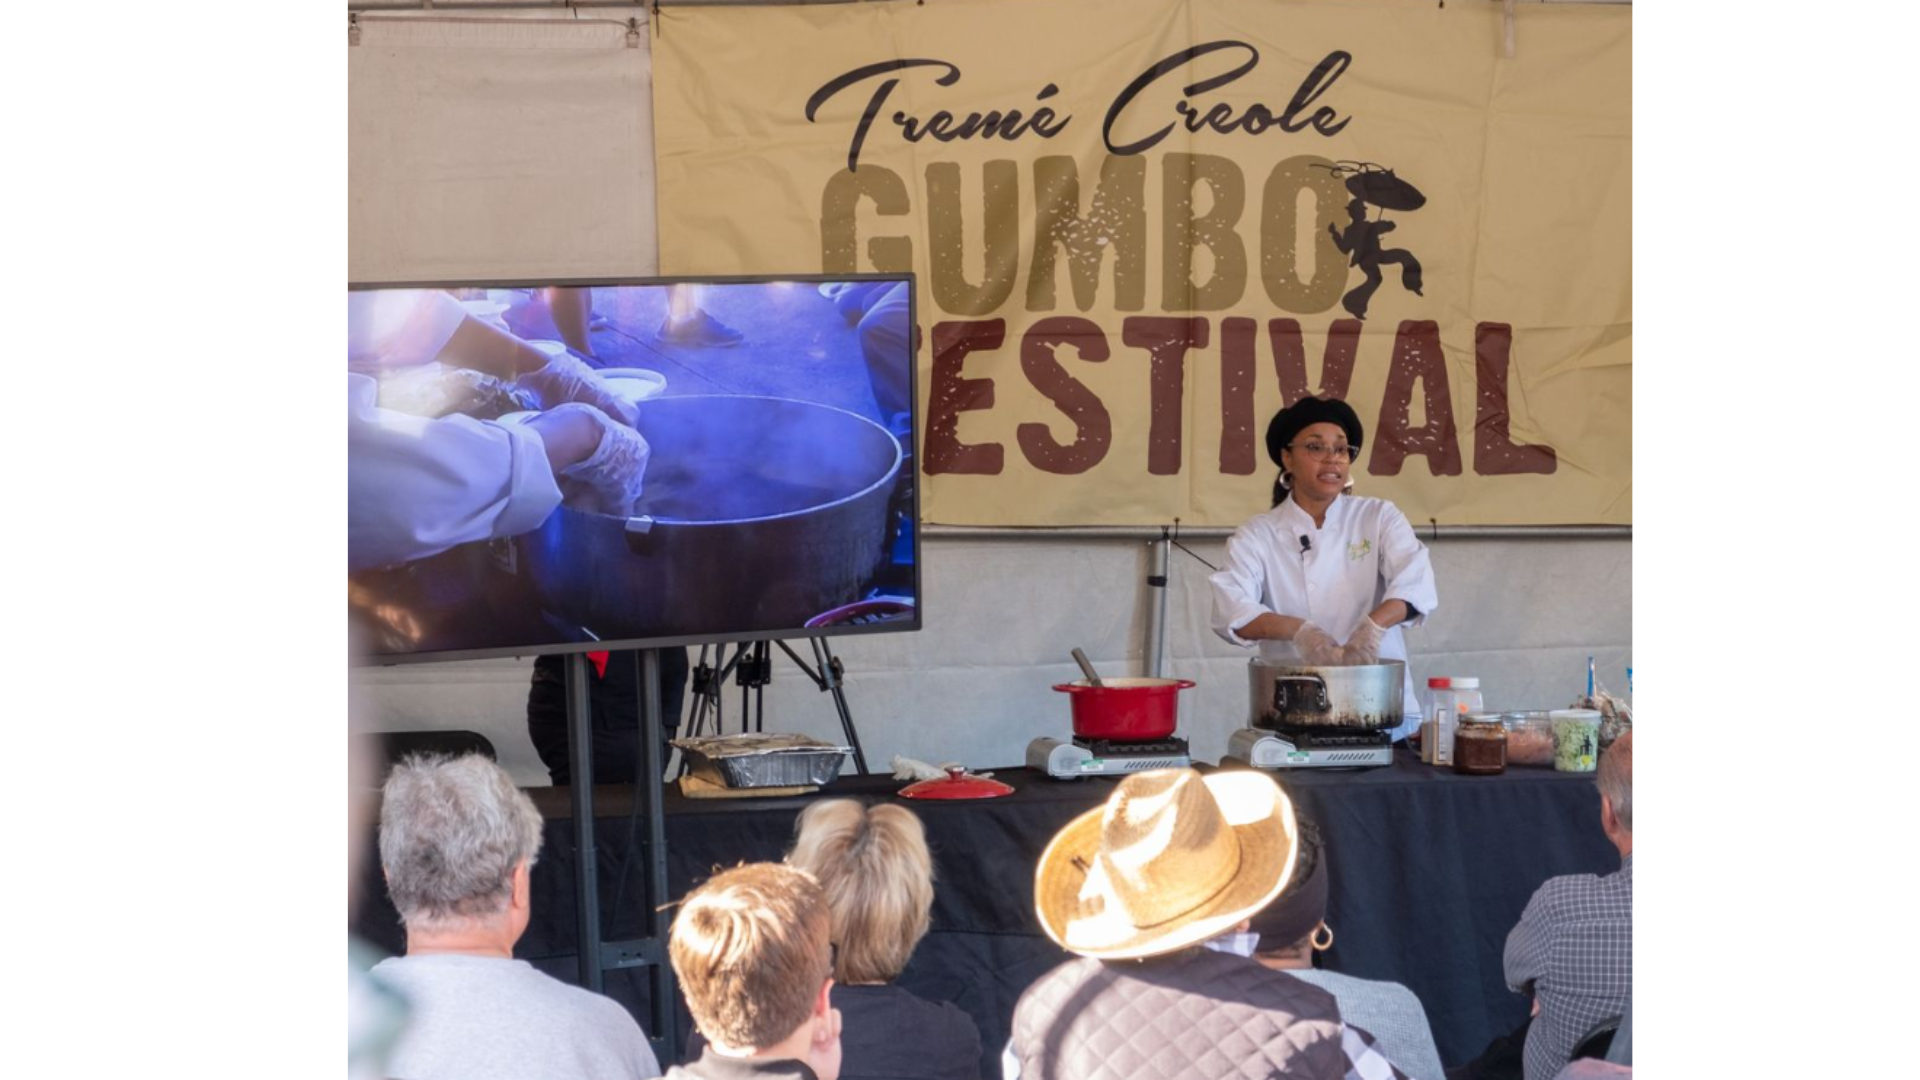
(1364, 697)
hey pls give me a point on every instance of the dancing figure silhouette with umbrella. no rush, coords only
(1374, 186)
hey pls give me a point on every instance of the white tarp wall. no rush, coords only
(489, 146)
(474, 155)
(974, 686)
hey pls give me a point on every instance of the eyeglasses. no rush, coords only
(1321, 452)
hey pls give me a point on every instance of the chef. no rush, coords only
(1324, 577)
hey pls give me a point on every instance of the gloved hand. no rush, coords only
(568, 378)
(608, 480)
(1364, 646)
(1315, 645)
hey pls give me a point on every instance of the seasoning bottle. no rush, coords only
(1480, 745)
(1436, 733)
(1466, 695)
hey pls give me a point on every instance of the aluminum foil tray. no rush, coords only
(756, 761)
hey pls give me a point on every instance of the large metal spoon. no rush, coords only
(1086, 665)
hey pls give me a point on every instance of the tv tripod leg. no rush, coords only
(830, 673)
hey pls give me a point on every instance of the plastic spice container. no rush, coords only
(1480, 745)
(1529, 738)
(1576, 739)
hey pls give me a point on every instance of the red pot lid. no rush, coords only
(957, 784)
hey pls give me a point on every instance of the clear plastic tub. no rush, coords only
(1529, 739)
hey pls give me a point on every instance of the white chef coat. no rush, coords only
(391, 328)
(416, 487)
(1365, 555)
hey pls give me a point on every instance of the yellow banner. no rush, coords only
(1142, 226)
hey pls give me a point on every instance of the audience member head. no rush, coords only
(754, 956)
(1172, 860)
(876, 871)
(1615, 777)
(1294, 926)
(457, 843)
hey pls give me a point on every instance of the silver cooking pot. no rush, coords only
(756, 513)
(1362, 697)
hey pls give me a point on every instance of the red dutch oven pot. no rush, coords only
(1131, 710)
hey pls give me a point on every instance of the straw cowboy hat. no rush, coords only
(1171, 860)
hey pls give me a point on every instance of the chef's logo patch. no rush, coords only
(1358, 550)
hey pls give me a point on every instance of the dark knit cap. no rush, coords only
(1296, 912)
(1303, 414)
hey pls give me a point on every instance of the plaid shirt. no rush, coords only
(1573, 949)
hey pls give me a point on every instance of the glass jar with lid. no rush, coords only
(1480, 745)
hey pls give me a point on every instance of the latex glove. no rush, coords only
(568, 378)
(1315, 645)
(608, 480)
(1364, 646)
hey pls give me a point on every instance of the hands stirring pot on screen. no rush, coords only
(597, 461)
(423, 482)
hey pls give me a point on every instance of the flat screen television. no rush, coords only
(558, 466)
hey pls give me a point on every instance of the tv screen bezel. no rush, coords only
(360, 658)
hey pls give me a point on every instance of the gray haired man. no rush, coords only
(457, 842)
(1573, 947)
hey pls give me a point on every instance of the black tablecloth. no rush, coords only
(1428, 872)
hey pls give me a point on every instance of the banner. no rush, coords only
(1141, 226)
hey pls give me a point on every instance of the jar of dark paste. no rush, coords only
(1480, 745)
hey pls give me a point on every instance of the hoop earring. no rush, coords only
(1286, 480)
(1314, 940)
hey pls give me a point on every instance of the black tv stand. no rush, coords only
(596, 956)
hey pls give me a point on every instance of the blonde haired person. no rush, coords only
(876, 871)
(752, 950)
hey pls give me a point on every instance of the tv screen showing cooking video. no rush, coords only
(561, 466)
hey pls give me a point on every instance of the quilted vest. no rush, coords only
(1193, 1015)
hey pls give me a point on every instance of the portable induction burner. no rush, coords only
(1301, 748)
(1105, 757)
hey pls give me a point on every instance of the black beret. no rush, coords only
(1296, 912)
(1303, 414)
